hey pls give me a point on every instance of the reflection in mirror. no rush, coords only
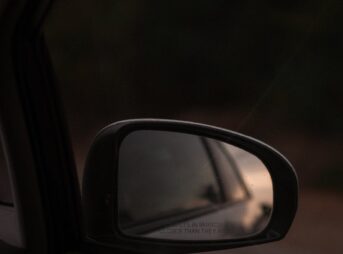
(180, 186)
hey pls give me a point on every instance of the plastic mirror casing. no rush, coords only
(100, 184)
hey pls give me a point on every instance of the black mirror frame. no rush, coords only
(100, 198)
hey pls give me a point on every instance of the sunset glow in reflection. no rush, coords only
(255, 174)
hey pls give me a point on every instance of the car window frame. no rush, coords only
(27, 82)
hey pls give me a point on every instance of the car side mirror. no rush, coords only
(164, 186)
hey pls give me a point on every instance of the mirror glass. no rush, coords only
(179, 186)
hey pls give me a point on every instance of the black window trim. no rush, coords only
(36, 136)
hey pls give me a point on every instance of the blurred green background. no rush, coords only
(268, 69)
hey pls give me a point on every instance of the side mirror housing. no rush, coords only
(165, 186)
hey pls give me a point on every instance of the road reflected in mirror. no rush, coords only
(179, 186)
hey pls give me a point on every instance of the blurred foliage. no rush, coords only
(331, 179)
(275, 65)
